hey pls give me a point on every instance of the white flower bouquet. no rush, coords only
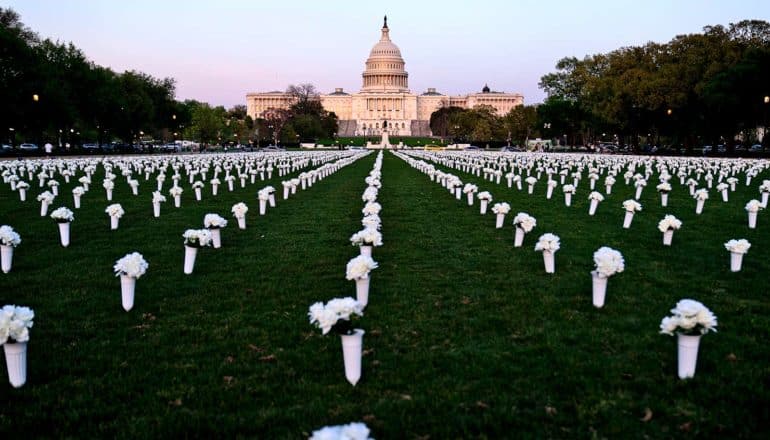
(108, 184)
(722, 187)
(132, 265)
(631, 205)
(352, 431)
(470, 188)
(197, 184)
(763, 188)
(157, 197)
(115, 210)
(371, 208)
(640, 183)
(524, 221)
(45, 197)
(669, 222)
(608, 262)
(568, 189)
(690, 318)
(15, 323)
(501, 208)
(52, 183)
(738, 246)
(754, 206)
(336, 315)
(214, 221)
(664, 187)
(595, 195)
(24, 185)
(359, 267)
(366, 237)
(370, 194)
(484, 195)
(239, 210)
(548, 242)
(9, 237)
(215, 181)
(62, 215)
(371, 221)
(78, 191)
(197, 237)
(263, 195)
(174, 191)
(701, 194)
(530, 180)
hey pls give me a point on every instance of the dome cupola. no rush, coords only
(385, 67)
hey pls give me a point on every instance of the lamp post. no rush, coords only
(11, 135)
(766, 100)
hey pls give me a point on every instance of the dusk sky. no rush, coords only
(220, 50)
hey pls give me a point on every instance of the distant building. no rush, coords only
(385, 96)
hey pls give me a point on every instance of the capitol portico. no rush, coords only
(385, 99)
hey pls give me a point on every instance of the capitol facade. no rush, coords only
(385, 99)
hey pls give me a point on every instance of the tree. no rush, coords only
(521, 123)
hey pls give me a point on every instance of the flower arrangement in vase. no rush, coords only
(63, 216)
(115, 212)
(523, 223)
(15, 323)
(690, 320)
(500, 210)
(608, 262)
(214, 222)
(366, 239)
(548, 244)
(9, 239)
(667, 226)
(630, 206)
(738, 248)
(337, 315)
(239, 211)
(358, 269)
(193, 240)
(129, 268)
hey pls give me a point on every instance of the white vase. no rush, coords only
(216, 238)
(214, 189)
(294, 189)
(548, 192)
(16, 361)
(177, 201)
(160, 186)
(664, 199)
(736, 261)
(285, 192)
(627, 219)
(262, 206)
(687, 355)
(752, 220)
(55, 190)
(135, 190)
(599, 289)
(198, 194)
(568, 199)
(764, 199)
(483, 208)
(530, 189)
(230, 185)
(362, 290)
(592, 184)
(109, 195)
(458, 193)
(22, 194)
(366, 250)
(725, 196)
(156, 209)
(549, 261)
(518, 185)
(64, 233)
(470, 198)
(518, 239)
(351, 354)
(699, 206)
(6, 258)
(127, 290)
(668, 235)
(592, 207)
(114, 223)
(189, 258)
(499, 221)
(638, 192)
(241, 222)
(43, 209)
(271, 200)
(608, 188)
(243, 182)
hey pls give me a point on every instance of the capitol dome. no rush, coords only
(385, 67)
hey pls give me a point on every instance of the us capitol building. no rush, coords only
(385, 98)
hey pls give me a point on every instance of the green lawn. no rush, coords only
(466, 336)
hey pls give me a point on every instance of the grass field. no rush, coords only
(466, 336)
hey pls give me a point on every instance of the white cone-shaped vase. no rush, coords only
(156, 209)
(499, 221)
(271, 200)
(366, 250)
(664, 199)
(668, 236)
(351, 353)
(483, 208)
(362, 290)
(687, 355)
(6, 258)
(549, 261)
(64, 234)
(736, 260)
(198, 194)
(518, 239)
(752, 220)
(43, 209)
(599, 289)
(114, 223)
(568, 199)
(627, 219)
(262, 207)
(699, 206)
(548, 192)
(189, 259)
(127, 290)
(241, 222)
(16, 361)
(216, 237)
(470, 198)
(177, 201)
(592, 207)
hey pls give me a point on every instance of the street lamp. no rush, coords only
(35, 97)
